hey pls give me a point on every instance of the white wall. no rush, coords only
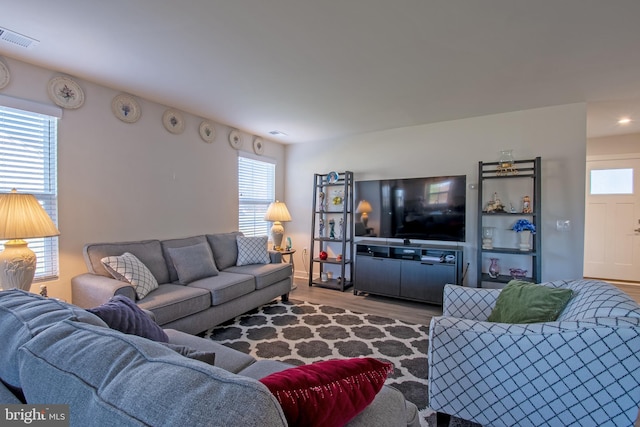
(120, 181)
(557, 134)
(616, 144)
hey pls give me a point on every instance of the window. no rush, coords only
(256, 189)
(612, 181)
(28, 163)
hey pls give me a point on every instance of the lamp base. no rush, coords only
(17, 265)
(277, 233)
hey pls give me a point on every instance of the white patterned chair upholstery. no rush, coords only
(582, 370)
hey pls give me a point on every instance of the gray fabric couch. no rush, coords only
(193, 307)
(58, 353)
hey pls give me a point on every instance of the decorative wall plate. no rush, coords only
(207, 131)
(5, 76)
(65, 92)
(333, 177)
(126, 108)
(173, 121)
(235, 139)
(258, 145)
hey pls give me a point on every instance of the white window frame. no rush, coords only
(28, 162)
(256, 190)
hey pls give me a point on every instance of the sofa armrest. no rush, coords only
(90, 290)
(275, 257)
(468, 303)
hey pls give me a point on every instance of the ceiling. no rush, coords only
(318, 70)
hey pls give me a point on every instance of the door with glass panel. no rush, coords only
(612, 219)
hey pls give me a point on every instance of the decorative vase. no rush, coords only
(525, 240)
(494, 268)
(506, 164)
(487, 237)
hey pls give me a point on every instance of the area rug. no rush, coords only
(298, 332)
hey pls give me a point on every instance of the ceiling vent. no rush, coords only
(16, 39)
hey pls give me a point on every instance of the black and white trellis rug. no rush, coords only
(299, 332)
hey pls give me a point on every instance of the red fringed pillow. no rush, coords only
(327, 393)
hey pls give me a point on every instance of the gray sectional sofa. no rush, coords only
(190, 307)
(58, 353)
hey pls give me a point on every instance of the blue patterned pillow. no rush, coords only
(252, 250)
(128, 268)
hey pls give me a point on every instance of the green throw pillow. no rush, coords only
(524, 302)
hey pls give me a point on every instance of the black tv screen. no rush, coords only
(430, 208)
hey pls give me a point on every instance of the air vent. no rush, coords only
(16, 39)
(277, 133)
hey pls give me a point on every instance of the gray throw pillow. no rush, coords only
(252, 250)
(193, 262)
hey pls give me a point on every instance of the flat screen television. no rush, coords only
(429, 208)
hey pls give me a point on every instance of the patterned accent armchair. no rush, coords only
(582, 370)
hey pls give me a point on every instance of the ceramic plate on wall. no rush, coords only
(207, 131)
(235, 139)
(65, 92)
(258, 145)
(4, 75)
(333, 177)
(173, 121)
(126, 108)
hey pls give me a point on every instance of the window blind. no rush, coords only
(256, 187)
(28, 163)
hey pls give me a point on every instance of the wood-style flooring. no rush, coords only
(408, 311)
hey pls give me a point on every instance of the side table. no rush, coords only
(289, 252)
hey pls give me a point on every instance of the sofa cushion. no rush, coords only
(123, 315)
(128, 268)
(109, 378)
(171, 302)
(226, 286)
(208, 357)
(193, 262)
(524, 302)
(178, 243)
(252, 250)
(24, 315)
(147, 251)
(226, 358)
(328, 393)
(265, 274)
(225, 248)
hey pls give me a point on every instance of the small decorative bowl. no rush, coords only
(518, 273)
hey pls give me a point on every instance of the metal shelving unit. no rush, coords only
(325, 188)
(490, 178)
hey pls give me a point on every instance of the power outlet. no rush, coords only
(304, 251)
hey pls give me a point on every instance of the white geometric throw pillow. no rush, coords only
(128, 268)
(252, 250)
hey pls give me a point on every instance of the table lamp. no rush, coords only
(364, 208)
(21, 217)
(277, 213)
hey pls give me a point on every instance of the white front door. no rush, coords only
(612, 219)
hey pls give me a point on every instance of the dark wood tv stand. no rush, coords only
(412, 271)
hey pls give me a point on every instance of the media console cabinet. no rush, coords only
(410, 271)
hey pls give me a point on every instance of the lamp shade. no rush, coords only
(363, 207)
(277, 211)
(22, 217)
